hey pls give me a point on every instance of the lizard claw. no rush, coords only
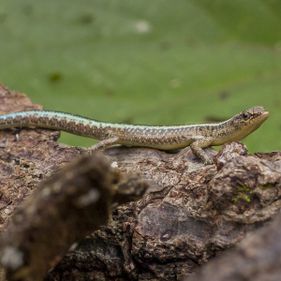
(208, 161)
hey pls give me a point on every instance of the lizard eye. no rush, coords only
(246, 115)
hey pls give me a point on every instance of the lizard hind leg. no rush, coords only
(103, 144)
(197, 149)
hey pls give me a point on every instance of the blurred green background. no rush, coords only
(148, 62)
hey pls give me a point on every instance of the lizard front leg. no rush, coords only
(103, 144)
(197, 148)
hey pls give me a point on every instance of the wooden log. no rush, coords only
(257, 257)
(189, 214)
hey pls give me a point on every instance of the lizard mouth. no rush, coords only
(258, 121)
(264, 115)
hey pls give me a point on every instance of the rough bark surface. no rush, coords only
(65, 208)
(61, 210)
(257, 257)
(189, 214)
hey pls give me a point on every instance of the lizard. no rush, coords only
(197, 137)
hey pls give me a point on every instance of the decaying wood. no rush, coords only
(61, 211)
(196, 213)
(189, 214)
(64, 209)
(257, 257)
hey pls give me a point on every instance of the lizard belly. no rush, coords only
(157, 143)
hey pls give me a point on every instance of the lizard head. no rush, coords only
(249, 120)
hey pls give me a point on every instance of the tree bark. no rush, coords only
(64, 209)
(189, 213)
(257, 257)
